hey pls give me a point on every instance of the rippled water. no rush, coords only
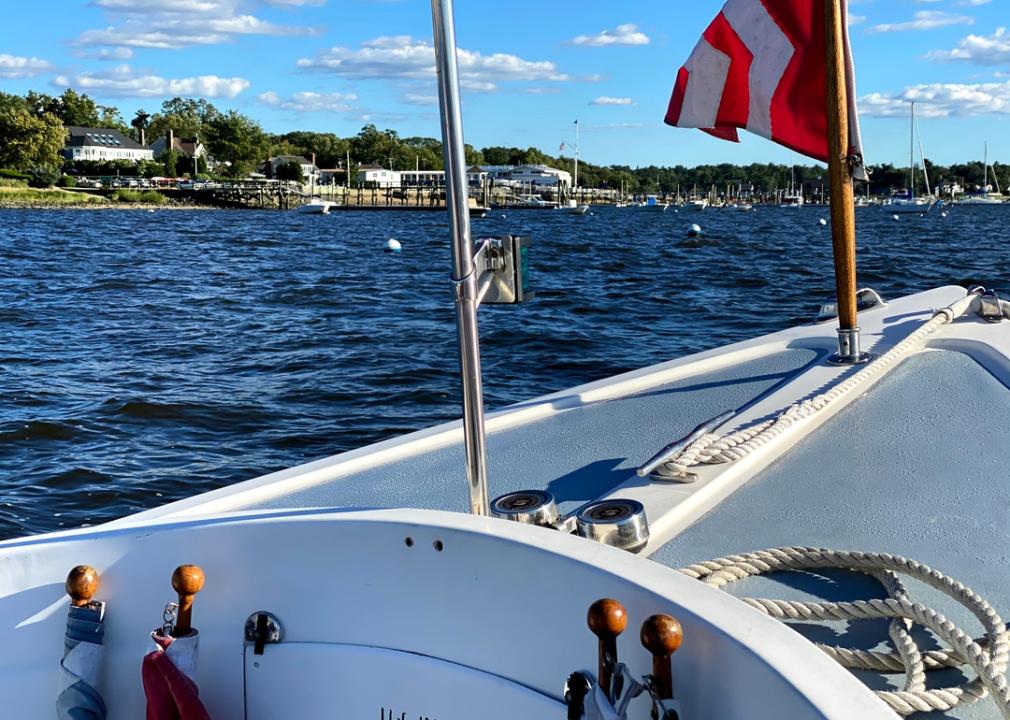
(147, 357)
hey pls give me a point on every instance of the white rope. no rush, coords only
(715, 449)
(988, 658)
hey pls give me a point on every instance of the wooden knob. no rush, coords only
(661, 635)
(607, 619)
(82, 584)
(187, 581)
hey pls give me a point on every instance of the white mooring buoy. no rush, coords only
(822, 222)
(895, 218)
(694, 230)
(393, 245)
(943, 214)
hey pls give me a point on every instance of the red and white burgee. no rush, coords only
(168, 672)
(761, 66)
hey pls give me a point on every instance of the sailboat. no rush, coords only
(985, 196)
(793, 199)
(603, 580)
(573, 206)
(910, 203)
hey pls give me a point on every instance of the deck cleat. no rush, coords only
(616, 522)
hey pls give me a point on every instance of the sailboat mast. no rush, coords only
(843, 205)
(911, 156)
(985, 169)
(576, 185)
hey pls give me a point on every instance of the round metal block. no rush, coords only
(620, 523)
(530, 507)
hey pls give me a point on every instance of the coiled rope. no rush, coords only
(711, 449)
(987, 658)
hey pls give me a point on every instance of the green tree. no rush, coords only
(29, 141)
(73, 108)
(290, 170)
(237, 140)
(186, 117)
(170, 161)
(141, 121)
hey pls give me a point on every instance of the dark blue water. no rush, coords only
(147, 357)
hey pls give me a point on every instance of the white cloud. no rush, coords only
(618, 126)
(979, 49)
(856, 19)
(13, 67)
(941, 100)
(419, 99)
(310, 101)
(924, 20)
(605, 100)
(626, 34)
(124, 81)
(404, 58)
(173, 24)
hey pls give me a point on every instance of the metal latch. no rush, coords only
(989, 308)
(262, 629)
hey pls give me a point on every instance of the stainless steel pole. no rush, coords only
(464, 276)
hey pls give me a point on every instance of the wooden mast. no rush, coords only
(843, 208)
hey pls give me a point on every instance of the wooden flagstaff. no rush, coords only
(840, 169)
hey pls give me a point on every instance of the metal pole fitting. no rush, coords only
(849, 352)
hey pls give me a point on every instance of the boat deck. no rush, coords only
(911, 465)
(917, 468)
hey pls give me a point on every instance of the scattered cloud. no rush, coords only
(940, 100)
(419, 99)
(605, 100)
(124, 81)
(979, 49)
(617, 126)
(174, 24)
(856, 20)
(310, 101)
(626, 34)
(924, 20)
(14, 67)
(403, 57)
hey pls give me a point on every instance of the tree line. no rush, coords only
(32, 137)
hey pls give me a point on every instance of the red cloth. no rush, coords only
(170, 694)
(761, 66)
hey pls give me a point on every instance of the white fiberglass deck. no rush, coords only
(913, 464)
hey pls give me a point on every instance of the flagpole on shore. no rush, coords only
(840, 172)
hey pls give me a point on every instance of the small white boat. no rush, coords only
(910, 204)
(316, 207)
(985, 196)
(654, 204)
(697, 205)
(575, 208)
(744, 207)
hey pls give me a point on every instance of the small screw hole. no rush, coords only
(437, 545)
(409, 542)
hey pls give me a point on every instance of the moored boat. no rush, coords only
(316, 206)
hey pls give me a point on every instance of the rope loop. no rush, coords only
(988, 657)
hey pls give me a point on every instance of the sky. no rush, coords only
(529, 69)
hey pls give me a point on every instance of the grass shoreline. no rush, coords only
(26, 198)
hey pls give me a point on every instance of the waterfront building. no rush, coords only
(190, 149)
(378, 176)
(533, 176)
(436, 178)
(309, 169)
(103, 144)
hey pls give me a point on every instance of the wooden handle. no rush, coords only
(82, 584)
(607, 619)
(187, 581)
(661, 636)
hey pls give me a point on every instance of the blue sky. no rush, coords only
(530, 68)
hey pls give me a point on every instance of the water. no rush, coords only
(147, 357)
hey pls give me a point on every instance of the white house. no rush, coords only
(309, 170)
(378, 176)
(436, 178)
(103, 144)
(540, 176)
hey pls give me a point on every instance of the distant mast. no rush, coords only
(575, 185)
(911, 157)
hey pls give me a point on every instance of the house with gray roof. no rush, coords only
(103, 144)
